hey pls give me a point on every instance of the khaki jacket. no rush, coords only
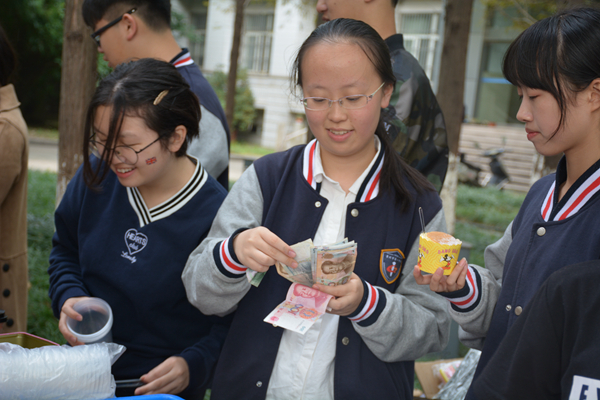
(14, 152)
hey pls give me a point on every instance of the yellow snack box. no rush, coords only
(438, 249)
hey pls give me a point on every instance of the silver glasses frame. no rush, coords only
(340, 101)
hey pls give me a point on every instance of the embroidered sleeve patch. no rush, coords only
(390, 264)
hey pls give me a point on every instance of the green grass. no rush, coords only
(40, 228)
(482, 215)
(249, 149)
(44, 133)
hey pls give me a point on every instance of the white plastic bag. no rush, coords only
(58, 372)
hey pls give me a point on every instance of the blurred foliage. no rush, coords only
(244, 112)
(102, 68)
(181, 27)
(524, 13)
(35, 29)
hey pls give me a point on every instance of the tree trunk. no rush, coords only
(76, 89)
(233, 65)
(451, 91)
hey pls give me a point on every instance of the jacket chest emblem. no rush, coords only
(135, 242)
(390, 264)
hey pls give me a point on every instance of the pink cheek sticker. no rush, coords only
(151, 161)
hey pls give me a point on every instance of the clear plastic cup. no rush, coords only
(96, 325)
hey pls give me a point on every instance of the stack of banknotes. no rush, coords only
(329, 265)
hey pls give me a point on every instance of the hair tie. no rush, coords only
(160, 96)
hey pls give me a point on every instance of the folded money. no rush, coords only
(334, 266)
(302, 307)
(329, 265)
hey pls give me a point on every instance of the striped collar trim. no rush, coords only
(170, 206)
(369, 189)
(577, 196)
(182, 59)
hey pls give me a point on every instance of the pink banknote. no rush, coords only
(302, 307)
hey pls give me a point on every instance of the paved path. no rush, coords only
(43, 156)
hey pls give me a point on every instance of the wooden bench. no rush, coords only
(518, 158)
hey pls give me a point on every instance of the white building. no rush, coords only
(274, 30)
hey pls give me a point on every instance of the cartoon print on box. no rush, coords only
(447, 258)
(391, 264)
(135, 242)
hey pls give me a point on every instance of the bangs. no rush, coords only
(532, 59)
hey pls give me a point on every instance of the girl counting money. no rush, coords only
(348, 182)
(129, 219)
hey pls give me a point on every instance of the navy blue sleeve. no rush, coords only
(203, 356)
(65, 272)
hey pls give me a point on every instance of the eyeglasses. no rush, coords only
(96, 35)
(348, 102)
(125, 154)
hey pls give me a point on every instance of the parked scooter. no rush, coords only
(471, 175)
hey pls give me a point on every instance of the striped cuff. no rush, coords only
(225, 258)
(467, 298)
(370, 307)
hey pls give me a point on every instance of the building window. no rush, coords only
(197, 43)
(498, 100)
(257, 39)
(421, 38)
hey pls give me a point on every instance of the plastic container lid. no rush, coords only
(97, 321)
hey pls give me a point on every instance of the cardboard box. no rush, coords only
(25, 340)
(424, 372)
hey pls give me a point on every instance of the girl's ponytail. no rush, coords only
(395, 172)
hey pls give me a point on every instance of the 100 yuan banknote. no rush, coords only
(302, 307)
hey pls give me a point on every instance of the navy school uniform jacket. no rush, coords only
(212, 145)
(108, 244)
(374, 355)
(552, 350)
(545, 236)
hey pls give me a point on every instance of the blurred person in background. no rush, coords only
(14, 151)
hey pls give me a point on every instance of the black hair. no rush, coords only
(155, 13)
(558, 54)
(8, 59)
(395, 170)
(394, 3)
(132, 89)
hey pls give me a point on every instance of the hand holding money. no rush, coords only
(302, 307)
(259, 248)
(328, 264)
(346, 298)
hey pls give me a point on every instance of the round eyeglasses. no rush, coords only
(348, 102)
(125, 154)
